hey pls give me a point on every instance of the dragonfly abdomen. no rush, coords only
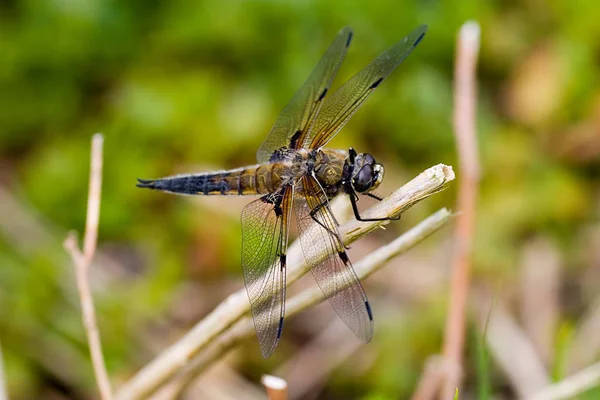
(251, 180)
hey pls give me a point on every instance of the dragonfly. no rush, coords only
(295, 174)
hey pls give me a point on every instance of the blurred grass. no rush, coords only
(175, 85)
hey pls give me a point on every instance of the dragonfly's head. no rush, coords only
(366, 173)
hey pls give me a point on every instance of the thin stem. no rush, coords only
(570, 387)
(3, 390)
(94, 194)
(466, 142)
(512, 350)
(276, 387)
(436, 369)
(82, 262)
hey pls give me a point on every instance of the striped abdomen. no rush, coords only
(254, 179)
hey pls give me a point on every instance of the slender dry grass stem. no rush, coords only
(83, 260)
(540, 282)
(434, 373)
(466, 143)
(276, 387)
(3, 390)
(585, 343)
(572, 386)
(215, 328)
(511, 348)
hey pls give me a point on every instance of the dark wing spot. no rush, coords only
(343, 257)
(419, 39)
(322, 96)
(294, 139)
(369, 310)
(349, 39)
(278, 210)
(280, 328)
(282, 261)
(377, 82)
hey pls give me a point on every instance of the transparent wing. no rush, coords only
(326, 256)
(265, 225)
(343, 103)
(297, 117)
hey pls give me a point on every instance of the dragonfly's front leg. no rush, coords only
(354, 199)
(373, 196)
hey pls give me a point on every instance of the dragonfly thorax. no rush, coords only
(365, 174)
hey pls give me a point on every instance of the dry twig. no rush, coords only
(276, 387)
(466, 143)
(236, 306)
(223, 382)
(510, 347)
(570, 387)
(540, 281)
(82, 261)
(585, 344)
(3, 390)
(436, 369)
(309, 369)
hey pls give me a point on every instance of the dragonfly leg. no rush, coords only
(354, 198)
(373, 196)
(313, 214)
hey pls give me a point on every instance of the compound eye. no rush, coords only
(378, 175)
(369, 159)
(364, 179)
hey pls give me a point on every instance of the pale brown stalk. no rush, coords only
(511, 348)
(540, 285)
(309, 370)
(434, 373)
(572, 386)
(3, 390)
(585, 343)
(276, 387)
(466, 143)
(83, 260)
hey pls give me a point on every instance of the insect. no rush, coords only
(296, 175)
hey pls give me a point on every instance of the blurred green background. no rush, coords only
(183, 86)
